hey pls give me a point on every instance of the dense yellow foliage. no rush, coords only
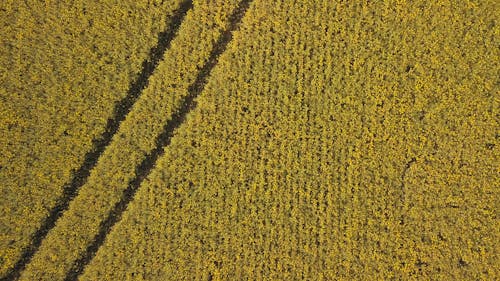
(63, 65)
(335, 140)
(134, 140)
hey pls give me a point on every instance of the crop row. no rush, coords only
(334, 141)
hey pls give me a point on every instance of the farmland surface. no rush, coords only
(64, 64)
(250, 140)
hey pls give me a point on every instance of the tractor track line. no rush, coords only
(122, 108)
(163, 140)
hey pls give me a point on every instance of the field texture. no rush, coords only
(250, 140)
(64, 66)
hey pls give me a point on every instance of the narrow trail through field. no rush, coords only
(121, 110)
(162, 141)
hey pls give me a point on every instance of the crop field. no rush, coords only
(249, 140)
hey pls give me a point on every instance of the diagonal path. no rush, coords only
(163, 140)
(289, 167)
(122, 109)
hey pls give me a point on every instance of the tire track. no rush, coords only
(163, 140)
(121, 110)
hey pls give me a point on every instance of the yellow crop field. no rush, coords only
(250, 140)
(64, 65)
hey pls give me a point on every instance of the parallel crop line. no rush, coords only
(122, 108)
(163, 140)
